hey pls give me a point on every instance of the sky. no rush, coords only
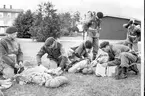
(125, 8)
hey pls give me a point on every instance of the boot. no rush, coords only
(118, 72)
(135, 69)
(122, 73)
(94, 57)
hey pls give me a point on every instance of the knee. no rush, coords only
(63, 58)
(123, 54)
(8, 72)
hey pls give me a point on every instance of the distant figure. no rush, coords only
(133, 34)
(92, 27)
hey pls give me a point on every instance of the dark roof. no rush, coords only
(122, 17)
(125, 18)
(11, 10)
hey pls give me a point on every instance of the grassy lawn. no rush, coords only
(79, 85)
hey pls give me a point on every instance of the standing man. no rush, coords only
(133, 34)
(11, 55)
(55, 54)
(92, 27)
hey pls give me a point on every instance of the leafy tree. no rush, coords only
(66, 22)
(76, 18)
(47, 22)
(23, 23)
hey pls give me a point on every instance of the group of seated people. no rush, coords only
(74, 59)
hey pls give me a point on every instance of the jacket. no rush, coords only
(52, 53)
(8, 47)
(114, 53)
(80, 51)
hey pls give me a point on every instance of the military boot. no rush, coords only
(135, 69)
(118, 72)
(94, 57)
(122, 73)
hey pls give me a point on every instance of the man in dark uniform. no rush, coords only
(79, 53)
(55, 54)
(133, 34)
(121, 56)
(11, 55)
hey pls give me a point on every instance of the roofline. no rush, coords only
(11, 10)
(122, 17)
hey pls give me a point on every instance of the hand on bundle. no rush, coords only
(4, 84)
(94, 63)
(104, 64)
(21, 64)
(17, 66)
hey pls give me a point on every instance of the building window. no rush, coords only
(1, 23)
(2, 31)
(9, 15)
(9, 23)
(16, 14)
(1, 15)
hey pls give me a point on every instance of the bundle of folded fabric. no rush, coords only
(79, 66)
(56, 82)
(5, 84)
(41, 76)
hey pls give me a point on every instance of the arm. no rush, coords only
(114, 62)
(4, 54)
(138, 35)
(117, 53)
(19, 55)
(62, 51)
(40, 54)
(79, 50)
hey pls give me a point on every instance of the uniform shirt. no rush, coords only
(80, 51)
(92, 22)
(116, 49)
(134, 33)
(8, 48)
(52, 53)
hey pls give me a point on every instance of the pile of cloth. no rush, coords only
(40, 75)
(5, 84)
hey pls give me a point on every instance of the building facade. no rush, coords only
(7, 17)
(112, 27)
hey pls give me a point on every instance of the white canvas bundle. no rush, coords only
(80, 65)
(105, 70)
(111, 70)
(100, 70)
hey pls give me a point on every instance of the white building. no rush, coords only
(7, 17)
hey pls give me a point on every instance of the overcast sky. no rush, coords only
(128, 8)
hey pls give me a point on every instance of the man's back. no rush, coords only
(118, 48)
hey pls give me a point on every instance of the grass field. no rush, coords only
(79, 85)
